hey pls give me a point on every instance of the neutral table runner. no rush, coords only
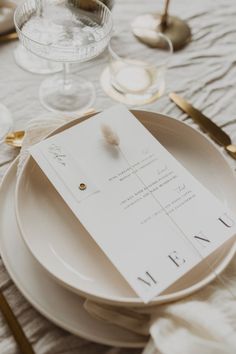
(204, 72)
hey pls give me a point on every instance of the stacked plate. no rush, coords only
(56, 264)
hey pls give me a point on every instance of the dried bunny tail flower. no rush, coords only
(109, 135)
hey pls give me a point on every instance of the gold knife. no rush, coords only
(15, 327)
(8, 37)
(214, 131)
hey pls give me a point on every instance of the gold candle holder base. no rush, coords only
(146, 27)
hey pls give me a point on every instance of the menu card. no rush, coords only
(149, 215)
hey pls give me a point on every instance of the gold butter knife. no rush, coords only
(206, 124)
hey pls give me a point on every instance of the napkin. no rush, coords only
(202, 323)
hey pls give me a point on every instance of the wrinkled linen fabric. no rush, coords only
(203, 323)
(205, 73)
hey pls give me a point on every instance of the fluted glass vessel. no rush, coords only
(68, 31)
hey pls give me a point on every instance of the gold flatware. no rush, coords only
(206, 124)
(15, 139)
(7, 8)
(15, 327)
(8, 37)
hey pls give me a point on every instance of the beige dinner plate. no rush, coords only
(52, 300)
(62, 246)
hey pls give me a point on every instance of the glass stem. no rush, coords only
(66, 79)
(164, 16)
(39, 11)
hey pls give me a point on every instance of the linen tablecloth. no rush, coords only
(204, 72)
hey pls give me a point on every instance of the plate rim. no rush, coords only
(132, 301)
(35, 303)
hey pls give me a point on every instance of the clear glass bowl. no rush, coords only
(66, 31)
(30, 62)
(136, 74)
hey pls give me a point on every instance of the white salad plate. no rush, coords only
(55, 302)
(63, 247)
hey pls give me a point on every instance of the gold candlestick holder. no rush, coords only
(146, 27)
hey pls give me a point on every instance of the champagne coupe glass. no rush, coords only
(34, 64)
(70, 31)
(31, 62)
